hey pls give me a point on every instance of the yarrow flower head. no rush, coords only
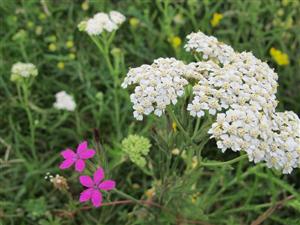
(64, 101)
(158, 85)
(102, 22)
(78, 158)
(209, 47)
(20, 71)
(94, 186)
(137, 147)
(237, 88)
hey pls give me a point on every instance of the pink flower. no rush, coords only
(94, 186)
(82, 153)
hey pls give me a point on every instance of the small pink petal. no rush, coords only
(66, 164)
(68, 153)
(86, 195)
(79, 165)
(98, 175)
(82, 147)
(86, 181)
(96, 198)
(107, 185)
(87, 154)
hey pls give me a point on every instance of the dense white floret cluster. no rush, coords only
(64, 101)
(209, 47)
(244, 81)
(236, 87)
(102, 22)
(23, 70)
(158, 85)
(275, 139)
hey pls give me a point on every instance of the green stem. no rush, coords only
(196, 128)
(30, 120)
(174, 118)
(127, 196)
(212, 164)
(104, 49)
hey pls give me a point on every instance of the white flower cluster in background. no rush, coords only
(64, 101)
(158, 85)
(102, 22)
(23, 70)
(239, 89)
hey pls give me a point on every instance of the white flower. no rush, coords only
(236, 87)
(274, 139)
(158, 85)
(117, 17)
(23, 70)
(64, 101)
(102, 22)
(209, 46)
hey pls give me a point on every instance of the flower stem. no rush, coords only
(212, 164)
(127, 196)
(174, 118)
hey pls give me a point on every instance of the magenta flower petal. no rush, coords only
(87, 154)
(66, 164)
(98, 175)
(82, 147)
(68, 153)
(107, 185)
(86, 195)
(86, 181)
(79, 165)
(96, 198)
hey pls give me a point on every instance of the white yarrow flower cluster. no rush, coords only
(274, 140)
(244, 81)
(209, 47)
(64, 101)
(158, 85)
(236, 87)
(103, 22)
(23, 70)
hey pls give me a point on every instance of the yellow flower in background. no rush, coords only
(134, 22)
(217, 17)
(70, 44)
(174, 126)
(279, 57)
(175, 42)
(61, 65)
(85, 5)
(52, 47)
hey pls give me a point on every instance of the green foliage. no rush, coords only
(33, 133)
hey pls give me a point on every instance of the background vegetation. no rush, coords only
(45, 33)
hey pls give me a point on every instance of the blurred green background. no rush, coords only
(45, 33)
